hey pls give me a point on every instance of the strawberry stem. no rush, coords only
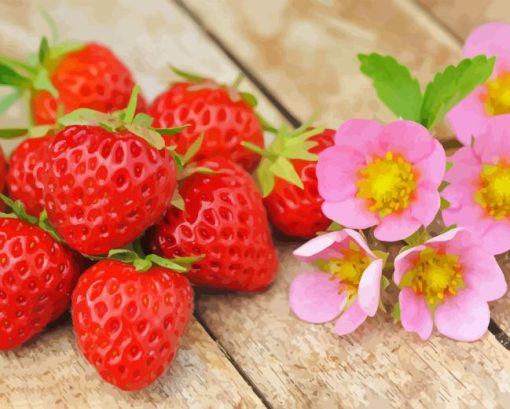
(239, 79)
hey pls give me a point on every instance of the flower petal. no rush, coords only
(360, 241)
(466, 168)
(350, 320)
(413, 141)
(314, 248)
(432, 168)
(369, 291)
(360, 134)
(336, 172)
(426, 204)
(468, 117)
(314, 297)
(352, 213)
(496, 239)
(470, 216)
(414, 314)
(489, 39)
(493, 142)
(396, 227)
(405, 261)
(464, 317)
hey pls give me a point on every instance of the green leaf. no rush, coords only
(10, 77)
(19, 210)
(396, 312)
(443, 185)
(9, 100)
(418, 237)
(171, 131)
(124, 255)
(177, 200)
(406, 280)
(42, 82)
(452, 85)
(193, 149)
(84, 116)
(64, 48)
(445, 204)
(255, 149)
(191, 170)
(265, 177)
(266, 125)
(190, 76)
(385, 283)
(51, 24)
(149, 135)
(44, 224)
(44, 51)
(166, 263)
(10, 133)
(128, 114)
(249, 98)
(178, 158)
(334, 226)
(395, 85)
(143, 120)
(40, 130)
(283, 168)
(449, 165)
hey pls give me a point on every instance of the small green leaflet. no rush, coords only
(452, 85)
(143, 119)
(283, 168)
(9, 100)
(193, 149)
(10, 133)
(42, 82)
(177, 200)
(10, 77)
(396, 312)
(190, 76)
(395, 85)
(128, 114)
(249, 98)
(265, 177)
(44, 51)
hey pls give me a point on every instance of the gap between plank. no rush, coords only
(233, 362)
(502, 337)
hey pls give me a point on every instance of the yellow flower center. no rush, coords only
(494, 192)
(387, 184)
(435, 276)
(348, 267)
(497, 99)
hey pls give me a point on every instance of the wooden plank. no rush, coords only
(50, 372)
(305, 53)
(462, 16)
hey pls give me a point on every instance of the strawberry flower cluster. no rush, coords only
(452, 215)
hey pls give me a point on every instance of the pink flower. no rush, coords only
(479, 186)
(384, 176)
(469, 116)
(346, 285)
(448, 281)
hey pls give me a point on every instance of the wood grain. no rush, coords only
(49, 372)
(462, 16)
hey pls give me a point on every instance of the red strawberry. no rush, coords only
(103, 188)
(129, 324)
(289, 184)
(223, 218)
(24, 179)
(220, 112)
(77, 76)
(37, 275)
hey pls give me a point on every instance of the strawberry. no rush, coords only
(37, 275)
(3, 170)
(69, 76)
(129, 321)
(288, 181)
(223, 218)
(24, 179)
(105, 184)
(225, 116)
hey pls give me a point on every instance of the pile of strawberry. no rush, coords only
(112, 199)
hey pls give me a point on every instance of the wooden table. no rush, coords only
(250, 351)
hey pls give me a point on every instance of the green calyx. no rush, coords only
(202, 82)
(33, 132)
(125, 119)
(33, 75)
(19, 212)
(276, 160)
(145, 263)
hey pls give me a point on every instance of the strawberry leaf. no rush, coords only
(189, 76)
(283, 168)
(128, 114)
(170, 131)
(249, 98)
(265, 177)
(452, 85)
(9, 100)
(166, 263)
(266, 125)
(42, 82)
(84, 116)
(143, 120)
(395, 85)
(18, 210)
(40, 130)
(10, 133)
(64, 48)
(177, 200)
(44, 51)
(193, 149)
(10, 77)
(396, 312)
(149, 135)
